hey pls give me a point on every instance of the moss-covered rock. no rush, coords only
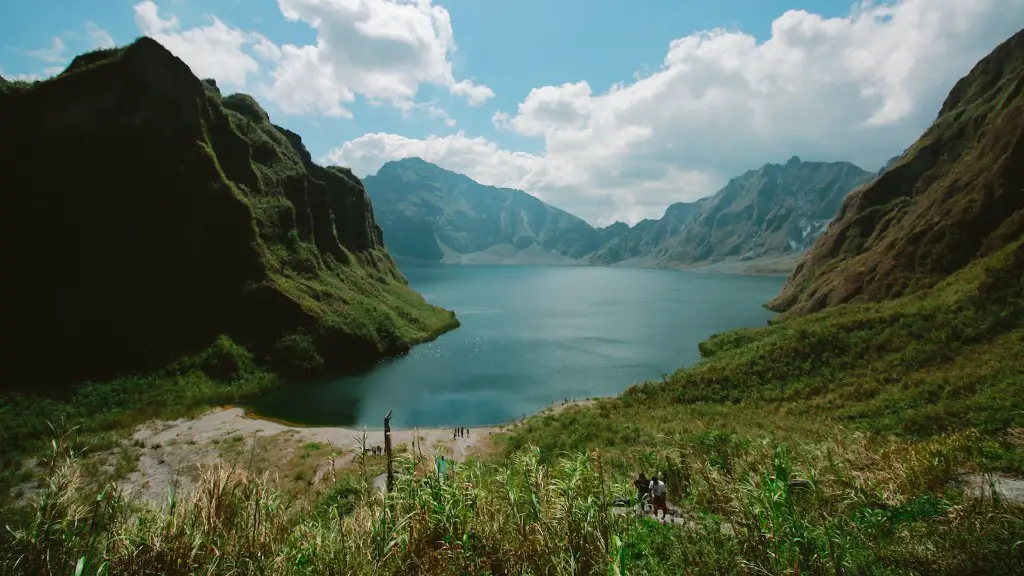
(145, 215)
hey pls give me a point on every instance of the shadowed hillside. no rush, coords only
(955, 196)
(145, 214)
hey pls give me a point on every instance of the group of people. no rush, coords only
(460, 432)
(654, 491)
(375, 450)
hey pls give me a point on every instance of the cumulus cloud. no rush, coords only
(212, 51)
(99, 37)
(381, 49)
(858, 88)
(475, 94)
(53, 55)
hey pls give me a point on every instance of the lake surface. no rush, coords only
(530, 336)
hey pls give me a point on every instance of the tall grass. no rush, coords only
(848, 505)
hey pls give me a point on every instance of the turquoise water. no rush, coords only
(530, 336)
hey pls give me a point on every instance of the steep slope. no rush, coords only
(955, 196)
(645, 238)
(774, 211)
(430, 213)
(145, 214)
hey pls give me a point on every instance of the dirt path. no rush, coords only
(172, 452)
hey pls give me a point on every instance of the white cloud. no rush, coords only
(53, 55)
(475, 94)
(381, 49)
(99, 37)
(857, 88)
(213, 51)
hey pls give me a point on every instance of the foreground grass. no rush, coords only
(866, 508)
(101, 414)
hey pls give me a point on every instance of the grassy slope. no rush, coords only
(879, 406)
(954, 196)
(817, 398)
(329, 304)
(946, 359)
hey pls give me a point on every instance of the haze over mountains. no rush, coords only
(760, 220)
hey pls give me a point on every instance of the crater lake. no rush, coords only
(531, 336)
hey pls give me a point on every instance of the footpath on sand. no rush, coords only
(172, 452)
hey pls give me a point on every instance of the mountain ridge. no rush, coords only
(433, 214)
(954, 196)
(177, 215)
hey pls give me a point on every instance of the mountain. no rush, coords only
(774, 211)
(646, 237)
(956, 196)
(433, 214)
(145, 214)
(430, 213)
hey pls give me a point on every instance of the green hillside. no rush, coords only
(854, 435)
(152, 214)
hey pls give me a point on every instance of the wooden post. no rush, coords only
(387, 449)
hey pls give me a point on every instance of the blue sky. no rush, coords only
(523, 93)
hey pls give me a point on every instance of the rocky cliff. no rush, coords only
(955, 196)
(776, 210)
(145, 213)
(430, 213)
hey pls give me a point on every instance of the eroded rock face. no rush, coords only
(775, 210)
(428, 212)
(144, 214)
(433, 214)
(956, 195)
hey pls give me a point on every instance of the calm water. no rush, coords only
(530, 336)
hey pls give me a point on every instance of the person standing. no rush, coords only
(659, 491)
(442, 467)
(643, 486)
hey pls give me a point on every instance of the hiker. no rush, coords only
(442, 466)
(455, 433)
(643, 486)
(659, 491)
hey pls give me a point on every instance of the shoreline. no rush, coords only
(556, 407)
(170, 454)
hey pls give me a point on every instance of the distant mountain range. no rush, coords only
(760, 221)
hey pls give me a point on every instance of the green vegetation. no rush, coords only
(816, 445)
(954, 196)
(861, 439)
(100, 414)
(846, 506)
(942, 360)
(179, 215)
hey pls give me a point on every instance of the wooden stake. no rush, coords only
(387, 449)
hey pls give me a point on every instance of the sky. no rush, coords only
(610, 109)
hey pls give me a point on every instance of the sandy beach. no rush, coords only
(171, 453)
